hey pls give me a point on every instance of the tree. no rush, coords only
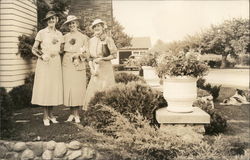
(228, 38)
(120, 37)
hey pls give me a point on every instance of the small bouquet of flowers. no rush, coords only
(79, 57)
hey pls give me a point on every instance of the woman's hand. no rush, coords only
(98, 60)
(76, 62)
(45, 57)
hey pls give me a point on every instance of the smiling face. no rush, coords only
(52, 21)
(98, 28)
(73, 25)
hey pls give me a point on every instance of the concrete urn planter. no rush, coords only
(150, 75)
(180, 93)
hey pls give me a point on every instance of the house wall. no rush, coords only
(17, 17)
(93, 8)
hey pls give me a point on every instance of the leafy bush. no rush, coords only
(183, 64)
(214, 64)
(218, 122)
(127, 77)
(21, 95)
(128, 99)
(244, 59)
(25, 46)
(213, 90)
(6, 106)
(119, 67)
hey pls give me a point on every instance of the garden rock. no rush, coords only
(3, 151)
(20, 146)
(47, 155)
(87, 153)
(9, 145)
(51, 145)
(75, 154)
(60, 150)
(28, 155)
(74, 145)
(11, 156)
(36, 147)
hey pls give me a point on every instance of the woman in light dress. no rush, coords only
(74, 68)
(48, 85)
(102, 50)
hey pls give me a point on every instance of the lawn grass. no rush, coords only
(237, 132)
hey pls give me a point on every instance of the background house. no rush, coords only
(139, 46)
(17, 17)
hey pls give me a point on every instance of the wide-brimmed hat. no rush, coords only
(97, 21)
(50, 14)
(70, 18)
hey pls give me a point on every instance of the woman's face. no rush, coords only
(98, 28)
(52, 21)
(73, 25)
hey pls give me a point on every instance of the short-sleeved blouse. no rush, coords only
(50, 40)
(95, 46)
(75, 41)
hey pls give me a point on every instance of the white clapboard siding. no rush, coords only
(15, 62)
(17, 17)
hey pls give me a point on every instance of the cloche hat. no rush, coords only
(70, 18)
(97, 21)
(50, 14)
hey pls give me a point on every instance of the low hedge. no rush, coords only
(124, 77)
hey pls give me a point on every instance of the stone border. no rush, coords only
(46, 151)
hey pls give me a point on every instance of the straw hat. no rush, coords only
(50, 14)
(97, 21)
(70, 18)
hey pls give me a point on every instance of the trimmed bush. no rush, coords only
(127, 77)
(218, 123)
(213, 90)
(127, 99)
(25, 45)
(6, 106)
(21, 95)
(119, 67)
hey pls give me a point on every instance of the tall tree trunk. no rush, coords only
(224, 61)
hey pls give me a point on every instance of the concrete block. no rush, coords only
(198, 116)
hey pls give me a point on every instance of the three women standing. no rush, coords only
(48, 84)
(57, 84)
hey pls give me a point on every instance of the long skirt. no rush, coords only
(74, 82)
(104, 80)
(48, 87)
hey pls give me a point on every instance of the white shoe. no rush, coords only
(46, 122)
(53, 120)
(77, 119)
(70, 119)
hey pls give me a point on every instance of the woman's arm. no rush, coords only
(35, 49)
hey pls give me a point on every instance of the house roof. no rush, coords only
(140, 43)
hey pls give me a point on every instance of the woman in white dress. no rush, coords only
(48, 88)
(102, 50)
(74, 68)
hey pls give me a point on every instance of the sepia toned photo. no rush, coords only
(124, 80)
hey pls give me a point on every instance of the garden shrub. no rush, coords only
(128, 99)
(25, 44)
(218, 123)
(152, 143)
(21, 95)
(244, 59)
(213, 90)
(214, 63)
(119, 67)
(127, 77)
(6, 106)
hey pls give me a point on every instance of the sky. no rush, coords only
(174, 19)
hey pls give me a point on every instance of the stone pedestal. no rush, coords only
(189, 126)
